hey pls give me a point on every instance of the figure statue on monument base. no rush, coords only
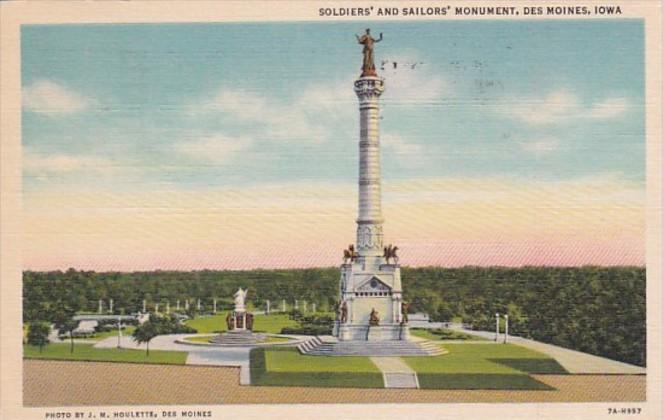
(239, 323)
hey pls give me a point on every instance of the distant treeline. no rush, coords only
(599, 310)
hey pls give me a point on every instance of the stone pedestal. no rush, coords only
(239, 321)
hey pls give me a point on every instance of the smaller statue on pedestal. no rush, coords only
(240, 297)
(344, 312)
(374, 320)
(404, 308)
(229, 321)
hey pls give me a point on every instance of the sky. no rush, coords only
(234, 146)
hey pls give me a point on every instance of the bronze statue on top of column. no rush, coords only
(368, 66)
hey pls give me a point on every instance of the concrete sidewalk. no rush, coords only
(396, 373)
(573, 361)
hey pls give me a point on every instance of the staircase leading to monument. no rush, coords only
(329, 346)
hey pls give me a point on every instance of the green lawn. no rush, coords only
(443, 334)
(60, 351)
(261, 323)
(483, 366)
(287, 367)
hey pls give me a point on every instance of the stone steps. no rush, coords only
(318, 347)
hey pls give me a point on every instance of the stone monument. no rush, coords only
(370, 301)
(239, 323)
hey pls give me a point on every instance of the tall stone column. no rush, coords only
(369, 221)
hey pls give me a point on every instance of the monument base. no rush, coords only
(238, 338)
(386, 332)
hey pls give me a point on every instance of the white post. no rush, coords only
(214, 304)
(144, 306)
(186, 304)
(110, 306)
(497, 326)
(313, 307)
(119, 332)
(296, 304)
(168, 307)
(267, 308)
(156, 308)
(198, 305)
(101, 306)
(506, 328)
(178, 304)
(283, 305)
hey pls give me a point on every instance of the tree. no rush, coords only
(66, 324)
(145, 333)
(38, 334)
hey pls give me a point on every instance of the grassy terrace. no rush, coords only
(286, 367)
(261, 323)
(484, 366)
(466, 366)
(85, 352)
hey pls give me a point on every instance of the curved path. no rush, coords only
(198, 355)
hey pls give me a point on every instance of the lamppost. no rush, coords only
(506, 328)
(119, 331)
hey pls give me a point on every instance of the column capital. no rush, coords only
(369, 87)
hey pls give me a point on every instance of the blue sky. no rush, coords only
(213, 105)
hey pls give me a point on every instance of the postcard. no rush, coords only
(331, 210)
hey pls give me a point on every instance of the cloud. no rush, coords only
(401, 147)
(541, 147)
(43, 165)
(319, 110)
(561, 106)
(411, 86)
(216, 149)
(300, 119)
(50, 98)
(408, 80)
(609, 108)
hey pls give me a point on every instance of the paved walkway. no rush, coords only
(396, 373)
(573, 361)
(197, 355)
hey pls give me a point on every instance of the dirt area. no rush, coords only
(58, 383)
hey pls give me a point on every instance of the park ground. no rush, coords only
(474, 368)
(68, 383)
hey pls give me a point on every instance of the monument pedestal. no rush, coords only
(370, 286)
(390, 332)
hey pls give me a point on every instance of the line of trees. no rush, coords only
(599, 310)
